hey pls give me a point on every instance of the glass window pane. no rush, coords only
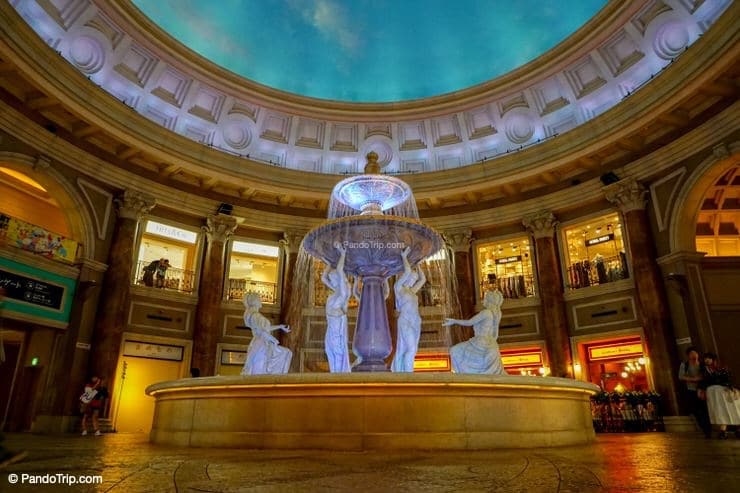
(506, 265)
(594, 252)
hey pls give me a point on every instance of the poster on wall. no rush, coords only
(36, 239)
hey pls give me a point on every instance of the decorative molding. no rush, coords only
(133, 205)
(575, 308)
(291, 241)
(41, 163)
(663, 210)
(100, 216)
(627, 194)
(459, 240)
(541, 224)
(219, 227)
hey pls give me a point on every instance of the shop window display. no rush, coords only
(166, 257)
(507, 266)
(595, 252)
(626, 403)
(253, 268)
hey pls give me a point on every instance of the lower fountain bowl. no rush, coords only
(373, 411)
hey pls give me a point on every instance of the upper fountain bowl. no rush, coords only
(371, 194)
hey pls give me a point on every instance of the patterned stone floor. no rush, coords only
(127, 463)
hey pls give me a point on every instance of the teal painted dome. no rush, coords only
(370, 50)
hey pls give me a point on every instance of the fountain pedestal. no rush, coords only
(372, 341)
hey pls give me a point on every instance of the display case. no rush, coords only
(507, 266)
(595, 252)
(166, 257)
(253, 268)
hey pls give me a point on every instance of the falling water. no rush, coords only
(382, 246)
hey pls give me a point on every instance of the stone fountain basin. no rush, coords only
(374, 243)
(366, 411)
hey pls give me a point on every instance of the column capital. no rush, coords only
(291, 240)
(627, 194)
(458, 239)
(133, 205)
(219, 227)
(541, 224)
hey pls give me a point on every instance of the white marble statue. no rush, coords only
(406, 288)
(335, 342)
(480, 354)
(264, 355)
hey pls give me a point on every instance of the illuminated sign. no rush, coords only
(522, 359)
(509, 260)
(140, 349)
(615, 351)
(172, 232)
(233, 357)
(432, 362)
(255, 249)
(600, 239)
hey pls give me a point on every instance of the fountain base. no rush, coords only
(364, 411)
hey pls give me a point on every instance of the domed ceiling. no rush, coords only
(369, 50)
(357, 55)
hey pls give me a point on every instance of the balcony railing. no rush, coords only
(173, 278)
(35, 239)
(239, 287)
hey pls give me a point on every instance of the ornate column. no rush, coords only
(291, 243)
(111, 321)
(629, 197)
(687, 301)
(554, 320)
(206, 332)
(59, 408)
(459, 241)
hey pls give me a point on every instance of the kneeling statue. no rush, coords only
(264, 355)
(480, 354)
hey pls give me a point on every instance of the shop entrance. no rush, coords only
(8, 367)
(616, 365)
(144, 361)
(136, 409)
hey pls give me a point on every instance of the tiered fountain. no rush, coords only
(374, 241)
(375, 217)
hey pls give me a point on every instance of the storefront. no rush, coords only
(595, 252)
(524, 361)
(616, 365)
(506, 265)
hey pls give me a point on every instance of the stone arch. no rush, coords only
(682, 232)
(70, 200)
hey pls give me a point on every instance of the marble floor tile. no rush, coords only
(128, 463)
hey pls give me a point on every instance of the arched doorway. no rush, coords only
(42, 224)
(718, 222)
(705, 254)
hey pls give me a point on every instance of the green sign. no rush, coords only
(35, 292)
